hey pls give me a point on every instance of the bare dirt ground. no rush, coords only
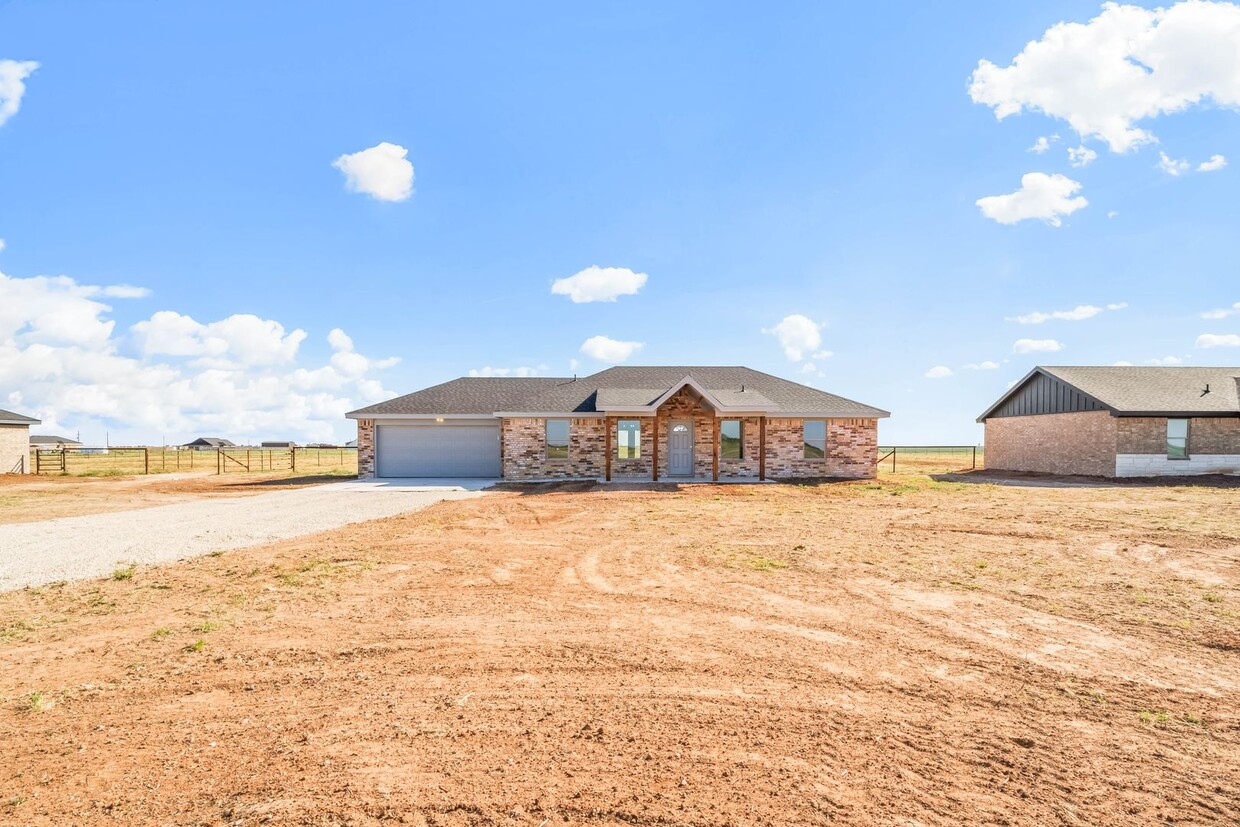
(26, 498)
(905, 652)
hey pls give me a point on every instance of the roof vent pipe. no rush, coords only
(1207, 390)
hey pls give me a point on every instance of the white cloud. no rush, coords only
(1036, 346)
(1223, 312)
(1112, 213)
(1165, 360)
(1042, 144)
(242, 339)
(609, 350)
(524, 370)
(986, 365)
(1121, 364)
(1209, 340)
(1171, 166)
(1081, 156)
(939, 372)
(381, 172)
(1215, 163)
(797, 335)
(1126, 65)
(1042, 196)
(13, 74)
(1076, 314)
(822, 354)
(177, 378)
(599, 284)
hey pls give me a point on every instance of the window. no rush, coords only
(815, 438)
(628, 439)
(731, 445)
(1177, 439)
(557, 439)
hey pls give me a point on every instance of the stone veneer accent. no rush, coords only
(1081, 443)
(365, 449)
(14, 449)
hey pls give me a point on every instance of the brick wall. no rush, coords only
(365, 449)
(1206, 435)
(1065, 443)
(524, 445)
(852, 450)
(14, 449)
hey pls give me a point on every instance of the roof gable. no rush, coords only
(1131, 391)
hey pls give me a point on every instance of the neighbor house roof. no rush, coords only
(49, 439)
(621, 389)
(10, 418)
(1147, 391)
(213, 441)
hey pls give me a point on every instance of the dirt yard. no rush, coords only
(25, 498)
(906, 652)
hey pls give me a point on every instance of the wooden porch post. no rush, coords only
(762, 448)
(654, 454)
(607, 448)
(714, 452)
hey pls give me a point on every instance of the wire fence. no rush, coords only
(126, 461)
(929, 459)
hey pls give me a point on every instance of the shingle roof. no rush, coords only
(1153, 390)
(10, 418)
(213, 441)
(619, 387)
(50, 439)
(1157, 389)
(482, 396)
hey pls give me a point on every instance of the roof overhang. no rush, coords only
(1021, 383)
(360, 415)
(21, 421)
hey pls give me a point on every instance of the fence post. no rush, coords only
(974, 467)
(893, 459)
(219, 461)
(146, 460)
(292, 457)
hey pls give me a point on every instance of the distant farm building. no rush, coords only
(52, 441)
(209, 443)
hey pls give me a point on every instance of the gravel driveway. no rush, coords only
(72, 548)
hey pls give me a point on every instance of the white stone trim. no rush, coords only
(1157, 465)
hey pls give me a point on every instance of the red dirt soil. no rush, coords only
(902, 652)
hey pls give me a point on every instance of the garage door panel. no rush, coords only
(461, 448)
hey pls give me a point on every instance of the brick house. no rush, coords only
(1118, 422)
(15, 442)
(623, 423)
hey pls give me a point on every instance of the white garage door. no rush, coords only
(452, 448)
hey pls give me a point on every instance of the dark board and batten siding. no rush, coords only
(1045, 395)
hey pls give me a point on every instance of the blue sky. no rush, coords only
(822, 162)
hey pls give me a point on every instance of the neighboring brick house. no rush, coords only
(1118, 422)
(15, 442)
(623, 423)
